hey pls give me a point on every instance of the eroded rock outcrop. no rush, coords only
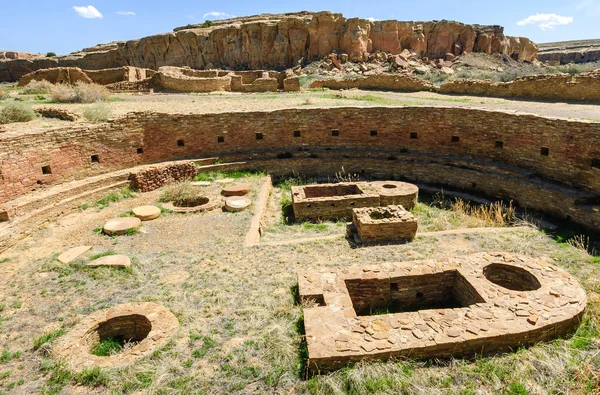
(282, 41)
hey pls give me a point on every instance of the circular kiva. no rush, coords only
(237, 203)
(143, 327)
(236, 190)
(146, 213)
(120, 226)
(203, 203)
(396, 193)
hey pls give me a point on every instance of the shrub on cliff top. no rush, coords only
(80, 93)
(16, 112)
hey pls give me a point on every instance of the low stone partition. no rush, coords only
(333, 201)
(580, 87)
(385, 82)
(147, 180)
(455, 307)
(382, 224)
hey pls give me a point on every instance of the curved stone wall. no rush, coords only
(548, 164)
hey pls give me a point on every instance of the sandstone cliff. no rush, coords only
(283, 41)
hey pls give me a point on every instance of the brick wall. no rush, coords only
(499, 154)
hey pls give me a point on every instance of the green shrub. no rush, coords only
(80, 93)
(16, 112)
(107, 348)
(207, 24)
(97, 113)
(37, 87)
(50, 54)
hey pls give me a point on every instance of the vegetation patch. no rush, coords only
(16, 112)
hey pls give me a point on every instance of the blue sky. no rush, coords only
(58, 26)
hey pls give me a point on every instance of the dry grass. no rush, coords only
(180, 193)
(238, 318)
(16, 112)
(98, 112)
(79, 93)
(4, 94)
(37, 87)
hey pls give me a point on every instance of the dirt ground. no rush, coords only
(183, 103)
(236, 306)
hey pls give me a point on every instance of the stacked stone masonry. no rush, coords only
(435, 309)
(333, 201)
(548, 164)
(157, 176)
(389, 223)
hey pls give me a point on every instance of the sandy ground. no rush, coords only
(235, 305)
(237, 102)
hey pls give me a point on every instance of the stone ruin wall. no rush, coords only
(582, 87)
(556, 183)
(171, 78)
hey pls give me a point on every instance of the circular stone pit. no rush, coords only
(120, 226)
(146, 213)
(236, 190)
(144, 326)
(203, 203)
(396, 193)
(237, 203)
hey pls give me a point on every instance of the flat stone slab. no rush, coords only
(224, 181)
(146, 213)
(72, 254)
(201, 183)
(237, 203)
(452, 307)
(236, 190)
(119, 261)
(119, 226)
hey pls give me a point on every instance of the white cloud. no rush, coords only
(590, 7)
(371, 19)
(217, 15)
(127, 13)
(89, 12)
(546, 21)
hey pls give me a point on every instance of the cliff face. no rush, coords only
(282, 41)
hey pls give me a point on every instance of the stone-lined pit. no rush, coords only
(145, 327)
(434, 308)
(511, 277)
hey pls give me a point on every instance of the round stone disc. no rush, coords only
(146, 213)
(111, 261)
(119, 226)
(237, 203)
(236, 190)
(224, 181)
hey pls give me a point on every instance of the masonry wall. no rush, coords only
(496, 153)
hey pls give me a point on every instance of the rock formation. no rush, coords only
(570, 52)
(282, 41)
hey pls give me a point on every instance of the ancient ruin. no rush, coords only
(144, 327)
(332, 201)
(382, 224)
(464, 306)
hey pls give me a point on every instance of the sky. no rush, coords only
(64, 26)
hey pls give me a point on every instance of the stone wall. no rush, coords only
(548, 164)
(584, 87)
(72, 75)
(392, 82)
(157, 176)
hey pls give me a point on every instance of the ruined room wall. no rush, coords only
(517, 169)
